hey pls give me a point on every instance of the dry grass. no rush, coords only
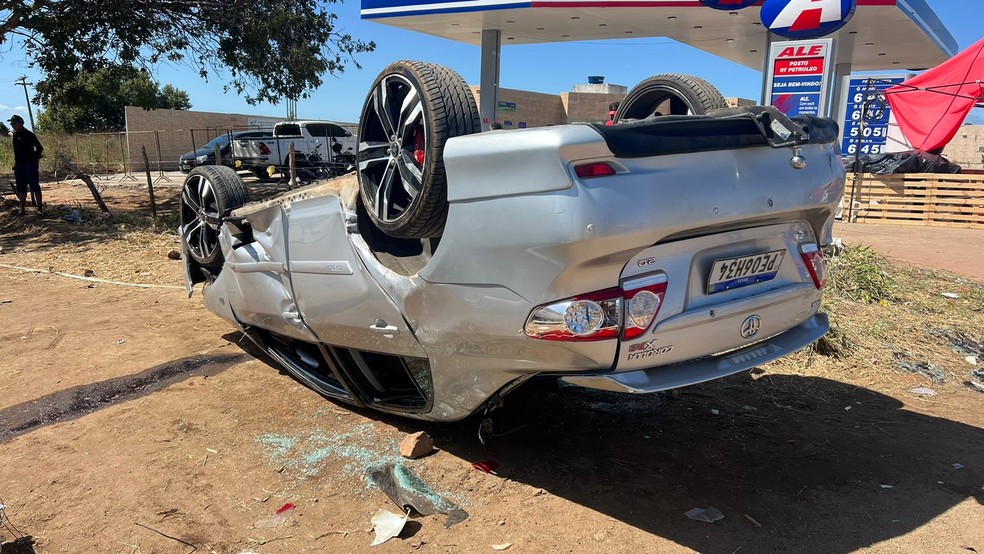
(120, 246)
(883, 320)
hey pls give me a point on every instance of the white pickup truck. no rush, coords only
(316, 143)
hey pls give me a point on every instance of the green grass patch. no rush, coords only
(860, 274)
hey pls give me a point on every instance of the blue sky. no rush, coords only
(551, 68)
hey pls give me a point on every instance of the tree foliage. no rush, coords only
(95, 101)
(271, 49)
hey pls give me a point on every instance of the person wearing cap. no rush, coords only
(27, 153)
(612, 110)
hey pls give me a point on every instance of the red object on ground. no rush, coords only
(931, 107)
(487, 466)
(285, 507)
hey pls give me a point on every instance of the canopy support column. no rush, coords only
(841, 70)
(489, 85)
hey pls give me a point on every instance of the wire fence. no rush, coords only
(121, 155)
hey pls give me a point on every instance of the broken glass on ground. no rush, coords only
(407, 490)
(710, 515)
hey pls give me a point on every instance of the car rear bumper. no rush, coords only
(705, 369)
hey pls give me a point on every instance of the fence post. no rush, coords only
(124, 151)
(160, 164)
(150, 182)
(293, 172)
(218, 155)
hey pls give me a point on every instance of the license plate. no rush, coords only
(732, 273)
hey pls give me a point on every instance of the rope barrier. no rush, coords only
(90, 279)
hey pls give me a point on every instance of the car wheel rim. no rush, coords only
(392, 144)
(200, 214)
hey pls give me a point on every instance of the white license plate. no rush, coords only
(732, 273)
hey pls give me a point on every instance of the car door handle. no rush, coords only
(292, 315)
(383, 328)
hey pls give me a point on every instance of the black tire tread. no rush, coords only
(230, 193)
(705, 96)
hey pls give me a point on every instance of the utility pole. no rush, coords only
(23, 82)
(291, 109)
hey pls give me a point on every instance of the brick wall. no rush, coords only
(967, 148)
(585, 107)
(534, 109)
(179, 131)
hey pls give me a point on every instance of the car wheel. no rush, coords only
(411, 111)
(209, 194)
(670, 94)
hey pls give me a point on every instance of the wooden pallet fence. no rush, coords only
(917, 199)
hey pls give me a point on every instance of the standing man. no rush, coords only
(27, 153)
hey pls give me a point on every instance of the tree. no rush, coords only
(95, 101)
(271, 49)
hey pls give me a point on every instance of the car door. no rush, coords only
(335, 294)
(260, 294)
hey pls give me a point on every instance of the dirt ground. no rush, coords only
(133, 420)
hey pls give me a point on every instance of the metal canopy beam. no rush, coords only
(883, 34)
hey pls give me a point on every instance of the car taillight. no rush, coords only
(815, 263)
(599, 315)
(265, 150)
(598, 169)
(592, 316)
(643, 297)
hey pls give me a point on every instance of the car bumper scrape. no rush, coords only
(705, 369)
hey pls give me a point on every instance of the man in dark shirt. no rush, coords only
(27, 152)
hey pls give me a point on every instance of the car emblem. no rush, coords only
(750, 327)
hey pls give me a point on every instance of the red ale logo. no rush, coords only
(806, 18)
(801, 51)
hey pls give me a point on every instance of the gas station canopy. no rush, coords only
(882, 35)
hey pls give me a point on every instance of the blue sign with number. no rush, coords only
(867, 116)
(806, 18)
(728, 4)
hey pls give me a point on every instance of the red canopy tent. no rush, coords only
(931, 107)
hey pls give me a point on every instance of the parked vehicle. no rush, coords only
(206, 154)
(326, 141)
(637, 257)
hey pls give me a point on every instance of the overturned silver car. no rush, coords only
(651, 254)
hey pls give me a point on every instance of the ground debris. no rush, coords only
(927, 369)
(387, 525)
(279, 518)
(710, 515)
(407, 490)
(417, 445)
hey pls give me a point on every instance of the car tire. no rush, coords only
(670, 94)
(208, 195)
(411, 111)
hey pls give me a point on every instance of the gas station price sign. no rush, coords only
(799, 76)
(867, 116)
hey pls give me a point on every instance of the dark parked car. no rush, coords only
(205, 155)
